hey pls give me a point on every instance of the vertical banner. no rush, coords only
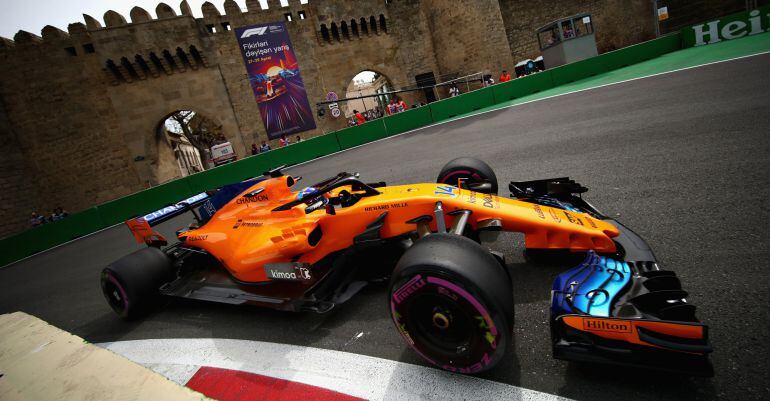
(274, 76)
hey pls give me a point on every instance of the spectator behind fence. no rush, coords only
(264, 147)
(298, 139)
(284, 141)
(36, 220)
(401, 106)
(58, 214)
(505, 76)
(392, 108)
(360, 120)
(567, 31)
(254, 149)
(453, 91)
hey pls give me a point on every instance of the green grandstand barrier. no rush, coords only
(38, 239)
(361, 134)
(641, 52)
(140, 203)
(408, 120)
(465, 103)
(319, 146)
(521, 87)
(576, 71)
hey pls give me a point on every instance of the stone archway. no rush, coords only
(367, 83)
(142, 105)
(184, 139)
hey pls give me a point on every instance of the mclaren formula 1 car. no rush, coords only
(260, 242)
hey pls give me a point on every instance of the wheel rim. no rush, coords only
(440, 325)
(445, 324)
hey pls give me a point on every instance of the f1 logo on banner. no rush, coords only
(254, 31)
(275, 79)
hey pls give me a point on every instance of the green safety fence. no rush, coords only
(361, 134)
(641, 52)
(38, 239)
(458, 105)
(408, 120)
(139, 203)
(521, 87)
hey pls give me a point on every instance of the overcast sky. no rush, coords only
(33, 15)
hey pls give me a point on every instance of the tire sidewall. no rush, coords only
(138, 276)
(412, 280)
(476, 169)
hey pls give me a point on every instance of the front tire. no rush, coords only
(131, 283)
(471, 171)
(452, 302)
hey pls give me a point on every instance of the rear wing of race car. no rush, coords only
(620, 309)
(207, 204)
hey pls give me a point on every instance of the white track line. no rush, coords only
(357, 375)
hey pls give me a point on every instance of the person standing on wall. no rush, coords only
(360, 119)
(505, 76)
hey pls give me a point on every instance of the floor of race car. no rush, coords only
(681, 158)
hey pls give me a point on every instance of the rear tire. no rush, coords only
(131, 283)
(470, 170)
(452, 302)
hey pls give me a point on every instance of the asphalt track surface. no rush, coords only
(682, 158)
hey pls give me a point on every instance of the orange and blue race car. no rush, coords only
(263, 243)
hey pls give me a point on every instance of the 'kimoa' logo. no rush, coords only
(253, 31)
(283, 275)
(730, 30)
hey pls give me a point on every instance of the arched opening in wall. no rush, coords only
(373, 24)
(368, 90)
(185, 139)
(354, 28)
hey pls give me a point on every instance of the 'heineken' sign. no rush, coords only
(730, 27)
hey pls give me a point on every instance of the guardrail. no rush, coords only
(105, 215)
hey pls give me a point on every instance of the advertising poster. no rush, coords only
(275, 79)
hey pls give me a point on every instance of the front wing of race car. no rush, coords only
(620, 308)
